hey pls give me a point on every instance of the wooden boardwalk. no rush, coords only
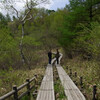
(71, 90)
(46, 91)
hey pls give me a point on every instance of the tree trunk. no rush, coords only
(91, 12)
(24, 61)
(21, 46)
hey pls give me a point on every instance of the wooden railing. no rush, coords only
(16, 89)
(94, 92)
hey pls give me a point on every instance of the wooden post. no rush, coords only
(35, 93)
(81, 81)
(35, 75)
(67, 67)
(35, 81)
(28, 86)
(74, 82)
(70, 72)
(16, 92)
(75, 74)
(94, 92)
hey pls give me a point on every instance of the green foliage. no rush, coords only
(87, 40)
(7, 42)
(60, 90)
(69, 28)
(25, 98)
(8, 19)
(76, 32)
(30, 41)
(76, 29)
(8, 47)
(3, 22)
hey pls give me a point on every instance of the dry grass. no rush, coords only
(16, 77)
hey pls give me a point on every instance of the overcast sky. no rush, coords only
(54, 5)
(58, 4)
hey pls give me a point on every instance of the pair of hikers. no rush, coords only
(57, 55)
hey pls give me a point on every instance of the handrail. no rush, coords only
(13, 92)
(7, 95)
(22, 86)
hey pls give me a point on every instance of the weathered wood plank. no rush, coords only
(71, 90)
(46, 91)
(45, 95)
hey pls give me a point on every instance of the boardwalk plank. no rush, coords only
(46, 91)
(71, 90)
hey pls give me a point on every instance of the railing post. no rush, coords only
(16, 92)
(94, 92)
(75, 74)
(67, 67)
(35, 75)
(28, 86)
(70, 72)
(81, 81)
(75, 82)
(35, 93)
(35, 79)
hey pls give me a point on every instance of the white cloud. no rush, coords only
(48, 5)
(59, 4)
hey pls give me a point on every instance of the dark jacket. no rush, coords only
(49, 54)
(57, 55)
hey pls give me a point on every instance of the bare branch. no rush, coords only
(42, 1)
(28, 19)
(26, 15)
(31, 4)
(29, 10)
(27, 3)
(16, 11)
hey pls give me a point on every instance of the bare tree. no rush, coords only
(29, 5)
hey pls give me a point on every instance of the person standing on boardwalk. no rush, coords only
(50, 56)
(57, 56)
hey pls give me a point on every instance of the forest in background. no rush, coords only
(75, 30)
